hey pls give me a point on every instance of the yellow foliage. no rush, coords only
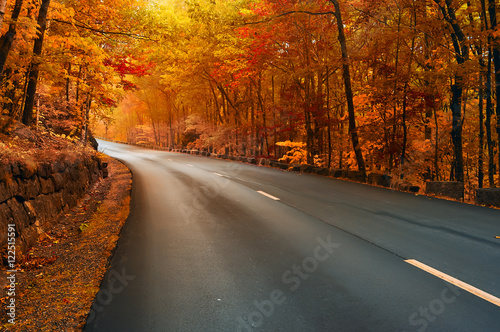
(297, 153)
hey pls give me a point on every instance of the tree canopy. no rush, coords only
(404, 87)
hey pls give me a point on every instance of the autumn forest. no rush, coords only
(409, 88)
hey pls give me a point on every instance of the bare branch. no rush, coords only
(104, 32)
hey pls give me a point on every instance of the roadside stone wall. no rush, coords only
(32, 195)
(488, 197)
(451, 189)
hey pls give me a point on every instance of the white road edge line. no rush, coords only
(169, 159)
(218, 174)
(270, 196)
(465, 286)
(190, 165)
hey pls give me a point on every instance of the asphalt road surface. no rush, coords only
(213, 245)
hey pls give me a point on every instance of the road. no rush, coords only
(213, 245)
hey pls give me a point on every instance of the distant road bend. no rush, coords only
(212, 245)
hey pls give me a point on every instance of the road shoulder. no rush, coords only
(59, 280)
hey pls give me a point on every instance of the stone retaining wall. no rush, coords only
(488, 197)
(32, 195)
(451, 189)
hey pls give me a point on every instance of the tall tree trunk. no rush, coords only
(329, 132)
(7, 39)
(461, 56)
(263, 110)
(487, 124)
(86, 111)
(308, 121)
(456, 131)
(405, 91)
(68, 82)
(34, 68)
(492, 9)
(395, 93)
(348, 89)
(483, 79)
(480, 160)
(436, 146)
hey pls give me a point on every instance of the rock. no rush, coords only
(27, 189)
(5, 171)
(41, 207)
(379, 179)
(488, 196)
(27, 171)
(304, 168)
(20, 215)
(283, 165)
(51, 207)
(22, 131)
(414, 189)
(20, 188)
(295, 168)
(57, 167)
(78, 164)
(70, 200)
(336, 173)
(105, 173)
(30, 210)
(454, 190)
(59, 180)
(4, 192)
(5, 214)
(356, 176)
(3, 235)
(402, 186)
(44, 170)
(57, 199)
(11, 185)
(276, 164)
(28, 237)
(15, 170)
(321, 171)
(264, 162)
(47, 186)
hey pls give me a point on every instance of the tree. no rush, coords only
(34, 68)
(492, 9)
(7, 39)
(461, 48)
(381, 84)
(348, 89)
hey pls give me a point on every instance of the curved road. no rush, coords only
(212, 245)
